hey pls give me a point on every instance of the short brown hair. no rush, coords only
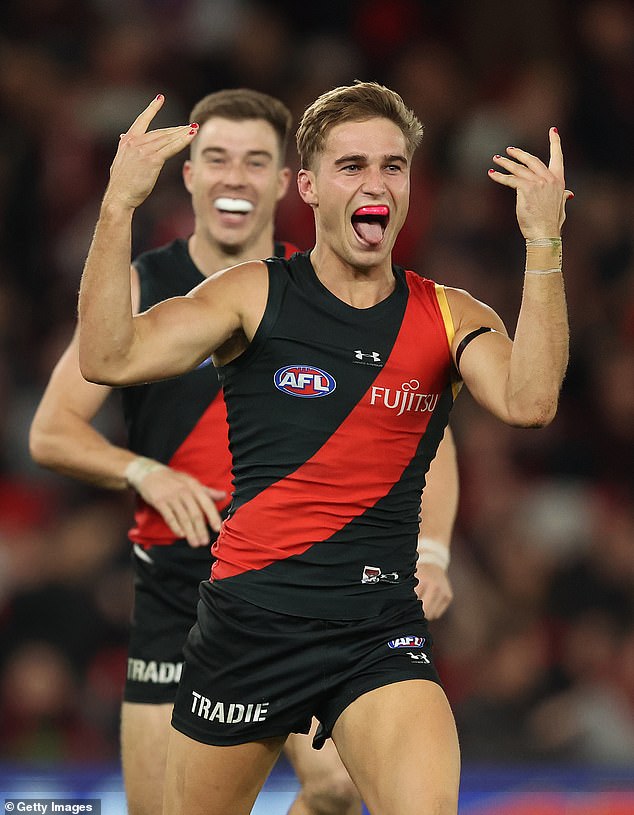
(239, 104)
(353, 103)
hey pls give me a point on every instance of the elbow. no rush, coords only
(535, 416)
(99, 372)
(40, 447)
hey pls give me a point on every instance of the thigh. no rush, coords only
(400, 745)
(204, 779)
(145, 731)
(325, 783)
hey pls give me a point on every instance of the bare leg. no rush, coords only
(400, 745)
(202, 779)
(326, 787)
(145, 732)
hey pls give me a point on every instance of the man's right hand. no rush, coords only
(186, 505)
(141, 155)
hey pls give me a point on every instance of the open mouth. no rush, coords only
(233, 206)
(370, 222)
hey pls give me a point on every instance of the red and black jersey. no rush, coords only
(335, 414)
(181, 422)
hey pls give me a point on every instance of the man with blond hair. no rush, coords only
(339, 371)
(179, 462)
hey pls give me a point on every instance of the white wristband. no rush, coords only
(138, 468)
(432, 551)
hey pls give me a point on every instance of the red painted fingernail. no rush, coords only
(194, 124)
(497, 156)
(572, 195)
(490, 172)
(556, 131)
(159, 97)
(193, 132)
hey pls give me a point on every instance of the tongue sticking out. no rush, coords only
(369, 223)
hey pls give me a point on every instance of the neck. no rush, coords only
(359, 286)
(210, 256)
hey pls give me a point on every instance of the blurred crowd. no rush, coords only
(537, 649)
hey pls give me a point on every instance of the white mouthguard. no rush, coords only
(233, 205)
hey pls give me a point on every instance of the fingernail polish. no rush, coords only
(497, 155)
(159, 97)
(194, 124)
(556, 131)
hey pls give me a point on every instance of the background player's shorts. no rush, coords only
(165, 598)
(252, 674)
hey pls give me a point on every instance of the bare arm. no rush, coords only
(116, 347)
(63, 439)
(438, 515)
(519, 381)
(61, 436)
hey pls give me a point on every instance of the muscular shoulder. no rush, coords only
(240, 290)
(469, 313)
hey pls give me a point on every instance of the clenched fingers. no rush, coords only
(433, 590)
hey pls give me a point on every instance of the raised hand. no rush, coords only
(541, 190)
(141, 155)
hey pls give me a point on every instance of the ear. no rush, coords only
(283, 180)
(306, 187)
(188, 171)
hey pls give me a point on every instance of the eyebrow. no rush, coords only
(361, 158)
(249, 153)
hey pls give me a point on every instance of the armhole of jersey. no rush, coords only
(271, 310)
(450, 331)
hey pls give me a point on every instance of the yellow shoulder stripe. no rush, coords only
(441, 295)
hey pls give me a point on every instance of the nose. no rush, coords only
(235, 174)
(373, 181)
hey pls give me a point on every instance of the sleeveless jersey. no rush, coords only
(181, 422)
(335, 414)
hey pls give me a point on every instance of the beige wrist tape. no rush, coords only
(555, 243)
(432, 551)
(138, 468)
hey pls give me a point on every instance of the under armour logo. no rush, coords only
(373, 355)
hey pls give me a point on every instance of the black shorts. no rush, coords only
(165, 598)
(252, 674)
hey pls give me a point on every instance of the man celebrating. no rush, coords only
(179, 460)
(311, 609)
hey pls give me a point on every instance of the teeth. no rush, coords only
(379, 209)
(233, 205)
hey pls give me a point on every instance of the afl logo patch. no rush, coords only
(407, 642)
(305, 381)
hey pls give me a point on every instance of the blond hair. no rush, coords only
(353, 103)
